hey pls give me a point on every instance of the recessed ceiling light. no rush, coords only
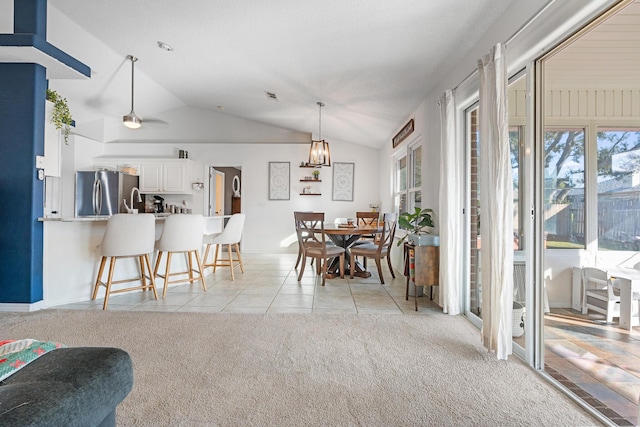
(164, 46)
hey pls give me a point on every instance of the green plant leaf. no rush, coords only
(61, 116)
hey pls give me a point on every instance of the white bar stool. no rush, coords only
(231, 235)
(127, 236)
(181, 233)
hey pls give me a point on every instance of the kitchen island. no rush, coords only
(71, 260)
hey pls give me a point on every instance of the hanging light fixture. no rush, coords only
(319, 154)
(131, 120)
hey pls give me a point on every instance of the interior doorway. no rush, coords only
(216, 192)
(224, 184)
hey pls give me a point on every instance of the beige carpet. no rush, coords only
(196, 369)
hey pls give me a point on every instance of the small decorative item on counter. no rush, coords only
(306, 190)
(316, 174)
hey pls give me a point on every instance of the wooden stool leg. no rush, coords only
(206, 255)
(142, 276)
(239, 257)
(112, 266)
(99, 279)
(199, 262)
(231, 261)
(151, 278)
(157, 266)
(215, 259)
(190, 267)
(166, 276)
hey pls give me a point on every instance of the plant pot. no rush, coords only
(424, 239)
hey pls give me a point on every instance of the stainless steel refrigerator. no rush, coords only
(103, 192)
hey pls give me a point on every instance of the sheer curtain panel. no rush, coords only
(451, 220)
(496, 204)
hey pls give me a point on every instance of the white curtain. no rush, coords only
(496, 205)
(451, 196)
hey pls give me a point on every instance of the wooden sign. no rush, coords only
(404, 132)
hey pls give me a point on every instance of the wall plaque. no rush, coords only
(404, 132)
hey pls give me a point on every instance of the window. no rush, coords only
(516, 141)
(415, 181)
(408, 179)
(618, 181)
(401, 185)
(564, 188)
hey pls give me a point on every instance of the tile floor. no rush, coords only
(269, 285)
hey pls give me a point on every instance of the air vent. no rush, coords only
(271, 95)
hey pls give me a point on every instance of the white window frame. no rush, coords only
(408, 152)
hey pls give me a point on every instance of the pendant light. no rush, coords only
(131, 120)
(319, 154)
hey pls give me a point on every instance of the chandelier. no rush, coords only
(319, 154)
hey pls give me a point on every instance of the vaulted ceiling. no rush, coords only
(372, 63)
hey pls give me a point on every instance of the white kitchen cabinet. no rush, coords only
(167, 176)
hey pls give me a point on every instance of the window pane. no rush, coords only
(564, 188)
(402, 202)
(619, 189)
(417, 167)
(514, 143)
(402, 175)
(416, 199)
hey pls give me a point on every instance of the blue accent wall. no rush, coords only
(30, 16)
(22, 116)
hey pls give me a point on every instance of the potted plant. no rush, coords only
(416, 223)
(316, 174)
(61, 116)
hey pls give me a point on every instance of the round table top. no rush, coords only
(330, 228)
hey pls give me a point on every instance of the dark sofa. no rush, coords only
(78, 386)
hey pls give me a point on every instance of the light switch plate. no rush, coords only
(39, 162)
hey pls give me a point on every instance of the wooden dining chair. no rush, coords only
(367, 219)
(379, 249)
(312, 242)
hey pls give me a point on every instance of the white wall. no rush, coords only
(269, 223)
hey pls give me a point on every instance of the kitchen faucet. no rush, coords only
(133, 190)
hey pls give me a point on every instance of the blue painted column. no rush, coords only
(22, 115)
(22, 120)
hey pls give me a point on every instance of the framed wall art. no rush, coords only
(279, 180)
(343, 181)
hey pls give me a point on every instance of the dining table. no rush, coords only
(345, 236)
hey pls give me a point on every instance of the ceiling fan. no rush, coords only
(132, 120)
